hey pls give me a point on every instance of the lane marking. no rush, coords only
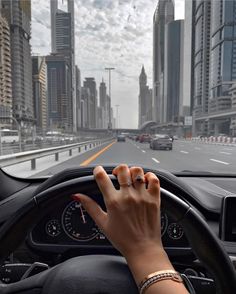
(229, 149)
(143, 151)
(185, 152)
(154, 159)
(218, 161)
(227, 153)
(197, 148)
(94, 156)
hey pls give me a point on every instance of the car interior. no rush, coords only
(45, 247)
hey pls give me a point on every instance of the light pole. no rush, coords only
(117, 116)
(109, 69)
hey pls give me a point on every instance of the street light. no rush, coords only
(109, 69)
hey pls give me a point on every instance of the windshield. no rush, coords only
(95, 82)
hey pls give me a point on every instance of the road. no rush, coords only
(185, 156)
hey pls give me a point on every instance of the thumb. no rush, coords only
(92, 208)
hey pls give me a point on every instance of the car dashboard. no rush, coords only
(66, 230)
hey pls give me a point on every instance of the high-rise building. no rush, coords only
(18, 15)
(163, 15)
(40, 92)
(59, 89)
(214, 54)
(5, 73)
(187, 61)
(104, 105)
(201, 62)
(78, 95)
(145, 99)
(90, 83)
(85, 107)
(173, 72)
(63, 42)
(222, 64)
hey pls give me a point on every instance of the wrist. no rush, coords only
(148, 261)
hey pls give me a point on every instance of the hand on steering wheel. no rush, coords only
(132, 219)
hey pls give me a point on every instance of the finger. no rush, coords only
(104, 182)
(153, 184)
(138, 178)
(93, 209)
(122, 173)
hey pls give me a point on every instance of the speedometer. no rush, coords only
(77, 224)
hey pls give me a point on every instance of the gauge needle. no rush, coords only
(82, 215)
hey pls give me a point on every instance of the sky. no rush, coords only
(108, 33)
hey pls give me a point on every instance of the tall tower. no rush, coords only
(144, 98)
(18, 15)
(163, 15)
(63, 43)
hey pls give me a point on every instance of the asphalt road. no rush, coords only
(185, 156)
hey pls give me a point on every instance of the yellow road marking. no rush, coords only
(93, 157)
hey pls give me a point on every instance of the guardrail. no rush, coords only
(12, 159)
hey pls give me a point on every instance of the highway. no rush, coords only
(185, 156)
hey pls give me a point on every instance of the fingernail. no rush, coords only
(75, 197)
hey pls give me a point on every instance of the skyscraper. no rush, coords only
(90, 83)
(5, 73)
(173, 72)
(18, 15)
(145, 99)
(104, 105)
(163, 15)
(40, 92)
(63, 42)
(78, 95)
(59, 89)
(201, 62)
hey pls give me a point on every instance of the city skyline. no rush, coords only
(125, 79)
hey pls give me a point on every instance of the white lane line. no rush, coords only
(227, 153)
(143, 151)
(229, 149)
(197, 148)
(218, 161)
(185, 152)
(154, 159)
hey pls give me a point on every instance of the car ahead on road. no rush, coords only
(121, 138)
(161, 142)
(145, 138)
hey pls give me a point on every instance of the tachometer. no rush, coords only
(77, 224)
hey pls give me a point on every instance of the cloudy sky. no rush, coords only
(116, 33)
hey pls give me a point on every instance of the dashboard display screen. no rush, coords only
(229, 219)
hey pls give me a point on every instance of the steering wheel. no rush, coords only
(107, 274)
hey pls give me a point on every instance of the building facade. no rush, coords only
(173, 72)
(90, 83)
(104, 105)
(40, 92)
(5, 74)
(63, 43)
(78, 96)
(214, 68)
(145, 99)
(163, 15)
(18, 15)
(59, 89)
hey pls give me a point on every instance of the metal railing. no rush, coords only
(12, 159)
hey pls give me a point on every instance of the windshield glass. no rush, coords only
(95, 82)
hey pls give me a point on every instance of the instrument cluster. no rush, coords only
(69, 224)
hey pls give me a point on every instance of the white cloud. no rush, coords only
(108, 33)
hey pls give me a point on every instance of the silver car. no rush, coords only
(161, 142)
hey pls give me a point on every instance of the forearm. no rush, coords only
(145, 263)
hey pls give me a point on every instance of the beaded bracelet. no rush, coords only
(159, 276)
